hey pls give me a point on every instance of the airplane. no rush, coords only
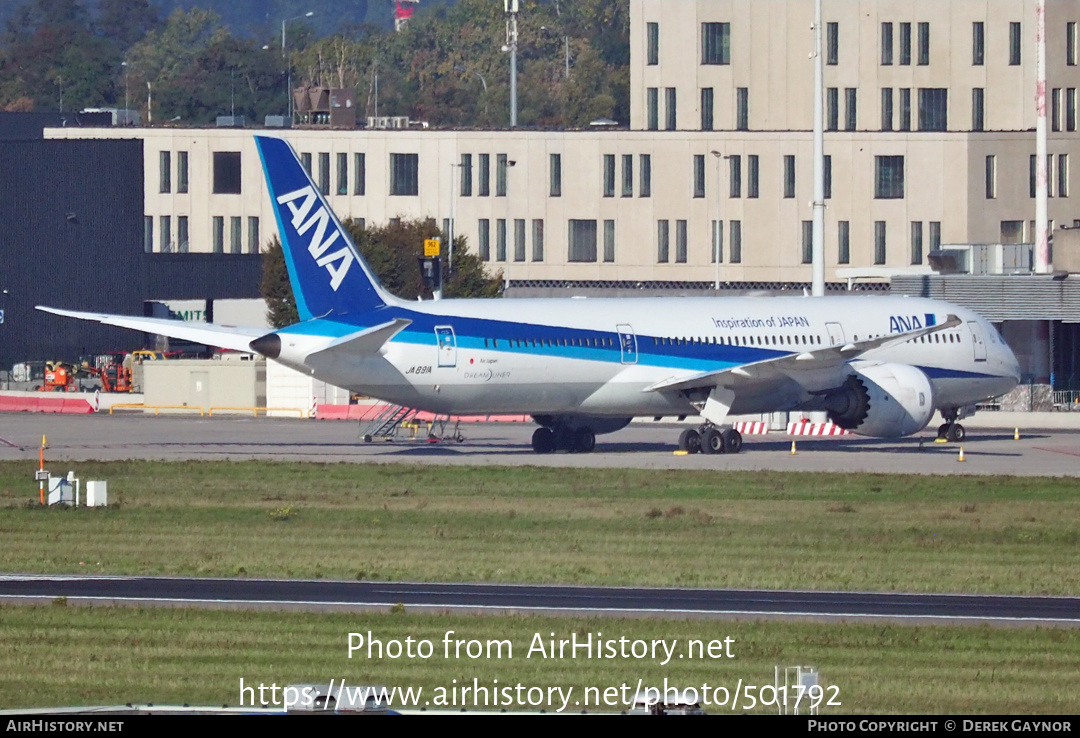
(879, 366)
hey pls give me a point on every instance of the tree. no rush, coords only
(391, 251)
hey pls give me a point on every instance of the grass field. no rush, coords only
(54, 655)
(640, 527)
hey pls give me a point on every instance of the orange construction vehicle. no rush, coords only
(114, 377)
(59, 377)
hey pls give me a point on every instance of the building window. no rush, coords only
(699, 175)
(832, 43)
(484, 188)
(706, 108)
(978, 112)
(789, 175)
(735, 176)
(843, 234)
(742, 109)
(1063, 175)
(1070, 109)
(483, 237)
(148, 234)
(851, 109)
(165, 162)
(717, 251)
(715, 43)
(879, 242)
(807, 241)
(582, 241)
(219, 234)
(1055, 109)
(466, 175)
(886, 44)
(609, 240)
(166, 234)
(501, 165)
(935, 235)
(652, 102)
(680, 241)
(978, 43)
(905, 109)
(226, 172)
(519, 239)
(991, 177)
(555, 175)
(652, 35)
(1031, 176)
(538, 240)
(182, 242)
(235, 235)
(662, 227)
(827, 176)
(924, 44)
(342, 174)
(889, 181)
(832, 109)
(305, 162)
(253, 234)
(736, 241)
(404, 174)
(933, 109)
(1070, 43)
(627, 175)
(916, 242)
(181, 171)
(359, 174)
(609, 175)
(905, 44)
(324, 172)
(752, 176)
(500, 239)
(645, 176)
(669, 109)
(886, 109)
(1014, 44)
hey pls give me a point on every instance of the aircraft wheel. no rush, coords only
(943, 430)
(690, 441)
(584, 440)
(712, 442)
(732, 441)
(543, 441)
(956, 433)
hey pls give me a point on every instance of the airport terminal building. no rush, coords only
(929, 143)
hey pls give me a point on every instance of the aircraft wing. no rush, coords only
(806, 364)
(232, 337)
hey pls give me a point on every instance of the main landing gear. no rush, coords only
(575, 440)
(950, 430)
(710, 440)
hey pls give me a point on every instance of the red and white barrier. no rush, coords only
(805, 428)
(752, 429)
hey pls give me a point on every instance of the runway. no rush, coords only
(644, 445)
(548, 600)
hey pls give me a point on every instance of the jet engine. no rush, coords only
(882, 400)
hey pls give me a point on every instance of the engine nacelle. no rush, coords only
(883, 400)
(598, 424)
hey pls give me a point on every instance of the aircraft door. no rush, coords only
(444, 336)
(627, 344)
(836, 334)
(977, 341)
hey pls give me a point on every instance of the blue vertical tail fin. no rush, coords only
(328, 275)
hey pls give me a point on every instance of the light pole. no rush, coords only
(459, 68)
(289, 63)
(717, 224)
(566, 46)
(511, 7)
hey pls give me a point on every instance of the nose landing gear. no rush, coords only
(951, 430)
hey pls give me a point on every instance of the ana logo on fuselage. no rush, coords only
(903, 323)
(336, 263)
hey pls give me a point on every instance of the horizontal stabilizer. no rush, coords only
(365, 342)
(233, 337)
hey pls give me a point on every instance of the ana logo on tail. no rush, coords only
(336, 263)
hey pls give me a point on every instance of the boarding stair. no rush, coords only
(387, 422)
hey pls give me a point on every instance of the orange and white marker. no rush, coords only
(961, 456)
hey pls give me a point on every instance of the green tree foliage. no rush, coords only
(391, 252)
